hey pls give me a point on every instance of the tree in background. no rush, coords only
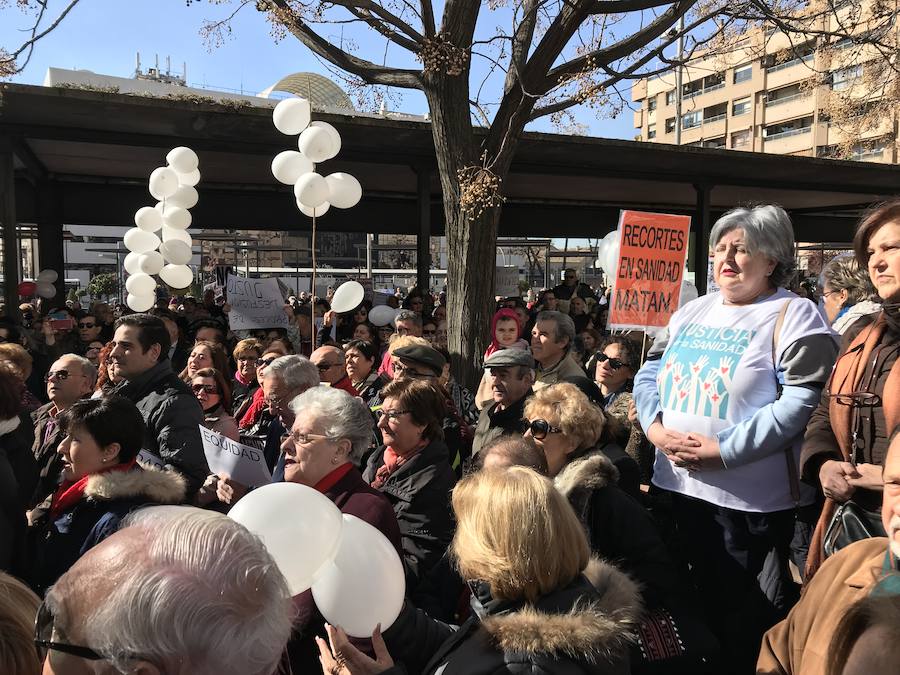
(103, 285)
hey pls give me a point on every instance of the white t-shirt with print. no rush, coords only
(716, 372)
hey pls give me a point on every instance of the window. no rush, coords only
(670, 125)
(843, 78)
(692, 119)
(651, 104)
(714, 113)
(740, 106)
(740, 139)
(651, 131)
(785, 94)
(670, 97)
(801, 125)
(714, 142)
(743, 73)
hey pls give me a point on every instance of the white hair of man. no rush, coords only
(565, 326)
(767, 230)
(88, 369)
(340, 416)
(200, 596)
(296, 372)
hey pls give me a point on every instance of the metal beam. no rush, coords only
(8, 221)
(423, 236)
(701, 227)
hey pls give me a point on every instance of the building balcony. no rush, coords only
(788, 108)
(787, 142)
(789, 72)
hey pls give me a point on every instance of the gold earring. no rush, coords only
(334, 460)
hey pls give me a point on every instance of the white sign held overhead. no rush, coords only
(255, 303)
(241, 463)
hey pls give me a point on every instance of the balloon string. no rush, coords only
(312, 293)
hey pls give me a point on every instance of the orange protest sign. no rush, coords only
(649, 269)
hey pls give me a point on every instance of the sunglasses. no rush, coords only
(43, 634)
(392, 415)
(87, 325)
(322, 367)
(61, 375)
(265, 362)
(208, 388)
(540, 428)
(615, 364)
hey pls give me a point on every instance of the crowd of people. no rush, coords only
(591, 506)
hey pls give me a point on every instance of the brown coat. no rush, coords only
(799, 644)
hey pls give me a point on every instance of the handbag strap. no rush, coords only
(793, 478)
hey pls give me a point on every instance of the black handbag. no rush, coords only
(851, 523)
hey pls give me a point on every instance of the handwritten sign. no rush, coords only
(147, 457)
(242, 463)
(649, 270)
(255, 303)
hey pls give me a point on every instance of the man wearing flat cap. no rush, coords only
(510, 373)
(417, 361)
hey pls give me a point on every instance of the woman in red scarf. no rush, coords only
(101, 484)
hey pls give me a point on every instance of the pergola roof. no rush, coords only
(97, 150)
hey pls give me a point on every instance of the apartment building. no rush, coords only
(770, 93)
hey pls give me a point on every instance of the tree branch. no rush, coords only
(621, 6)
(367, 71)
(380, 27)
(10, 59)
(521, 43)
(373, 8)
(428, 18)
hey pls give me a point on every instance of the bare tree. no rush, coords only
(42, 22)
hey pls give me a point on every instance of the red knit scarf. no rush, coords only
(392, 462)
(70, 493)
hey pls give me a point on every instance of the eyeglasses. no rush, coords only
(43, 638)
(615, 364)
(300, 438)
(275, 402)
(392, 415)
(265, 362)
(405, 371)
(208, 388)
(540, 428)
(61, 375)
(87, 325)
(327, 366)
(857, 398)
(248, 359)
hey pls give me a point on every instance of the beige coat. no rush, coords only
(799, 644)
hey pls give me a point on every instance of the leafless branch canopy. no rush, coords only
(14, 62)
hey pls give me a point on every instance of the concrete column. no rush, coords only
(702, 226)
(50, 233)
(423, 238)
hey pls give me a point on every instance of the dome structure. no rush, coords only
(322, 92)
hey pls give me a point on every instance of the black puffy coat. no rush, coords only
(419, 491)
(584, 628)
(173, 418)
(18, 472)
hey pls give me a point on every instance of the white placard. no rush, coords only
(243, 464)
(255, 303)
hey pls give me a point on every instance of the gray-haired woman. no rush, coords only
(725, 401)
(331, 430)
(846, 292)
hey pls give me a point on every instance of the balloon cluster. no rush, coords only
(42, 286)
(355, 573)
(318, 142)
(168, 253)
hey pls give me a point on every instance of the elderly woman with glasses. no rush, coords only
(101, 483)
(412, 469)
(255, 416)
(724, 397)
(848, 435)
(846, 292)
(331, 430)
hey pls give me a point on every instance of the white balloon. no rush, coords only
(333, 134)
(148, 218)
(299, 526)
(344, 189)
(185, 196)
(46, 290)
(177, 276)
(182, 159)
(132, 263)
(177, 218)
(289, 165)
(161, 207)
(176, 252)
(291, 116)
(316, 144)
(140, 241)
(364, 586)
(311, 189)
(170, 233)
(150, 262)
(382, 315)
(163, 182)
(48, 276)
(191, 178)
(140, 284)
(612, 258)
(347, 296)
(140, 303)
(688, 292)
(310, 211)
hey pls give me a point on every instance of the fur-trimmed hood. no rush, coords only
(589, 472)
(582, 625)
(150, 483)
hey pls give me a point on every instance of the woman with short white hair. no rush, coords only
(331, 431)
(725, 397)
(846, 292)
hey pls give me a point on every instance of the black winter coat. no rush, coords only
(55, 544)
(584, 628)
(17, 477)
(419, 491)
(619, 529)
(173, 417)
